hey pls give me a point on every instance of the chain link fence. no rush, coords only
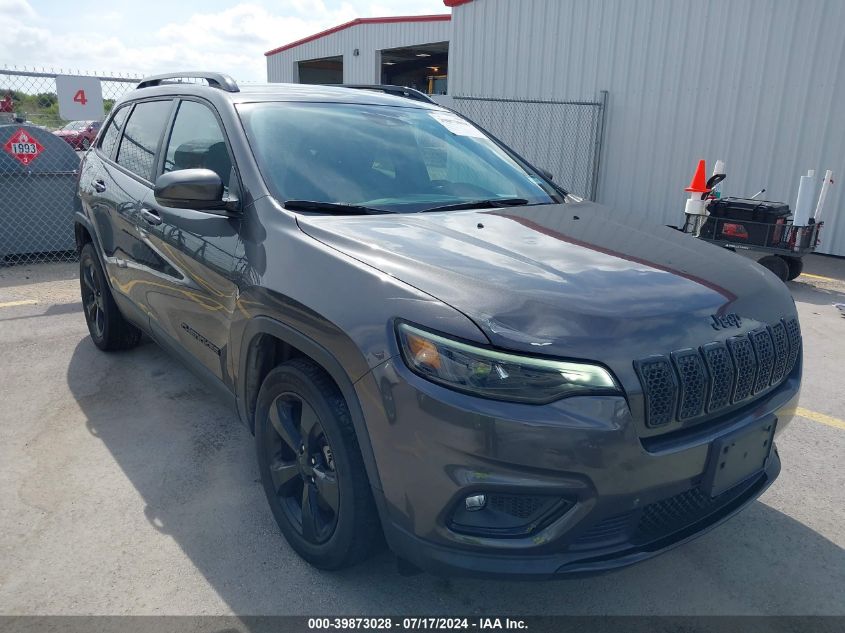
(39, 163)
(562, 137)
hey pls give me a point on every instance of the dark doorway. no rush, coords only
(328, 70)
(423, 67)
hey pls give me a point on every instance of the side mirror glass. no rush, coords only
(190, 189)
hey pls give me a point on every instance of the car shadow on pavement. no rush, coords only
(193, 466)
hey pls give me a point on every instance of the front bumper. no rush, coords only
(628, 498)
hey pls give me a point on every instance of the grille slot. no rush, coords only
(721, 370)
(781, 343)
(693, 383)
(718, 375)
(793, 333)
(745, 363)
(660, 388)
(765, 351)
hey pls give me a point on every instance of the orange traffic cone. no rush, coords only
(699, 180)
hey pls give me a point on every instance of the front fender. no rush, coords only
(263, 325)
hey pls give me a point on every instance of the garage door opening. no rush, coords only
(328, 70)
(423, 67)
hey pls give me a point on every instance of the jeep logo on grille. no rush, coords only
(724, 321)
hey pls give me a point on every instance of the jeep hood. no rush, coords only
(571, 280)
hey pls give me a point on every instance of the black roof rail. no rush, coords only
(215, 80)
(398, 91)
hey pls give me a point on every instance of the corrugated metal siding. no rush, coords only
(758, 83)
(367, 38)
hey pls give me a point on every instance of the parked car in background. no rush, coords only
(79, 134)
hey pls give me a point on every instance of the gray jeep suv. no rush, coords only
(429, 339)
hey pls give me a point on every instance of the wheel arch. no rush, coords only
(83, 232)
(267, 342)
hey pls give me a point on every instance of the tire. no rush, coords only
(777, 265)
(86, 144)
(108, 329)
(796, 267)
(319, 492)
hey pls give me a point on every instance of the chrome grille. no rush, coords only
(704, 381)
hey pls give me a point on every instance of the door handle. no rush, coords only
(150, 216)
(99, 185)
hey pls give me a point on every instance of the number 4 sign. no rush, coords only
(80, 98)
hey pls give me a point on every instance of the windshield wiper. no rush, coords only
(480, 204)
(332, 207)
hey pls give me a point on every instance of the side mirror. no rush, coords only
(547, 174)
(190, 189)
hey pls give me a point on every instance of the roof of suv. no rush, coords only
(281, 92)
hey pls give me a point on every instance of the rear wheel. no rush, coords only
(108, 329)
(86, 144)
(777, 265)
(796, 266)
(311, 467)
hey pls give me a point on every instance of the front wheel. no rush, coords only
(311, 467)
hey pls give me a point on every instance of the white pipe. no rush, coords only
(806, 193)
(828, 180)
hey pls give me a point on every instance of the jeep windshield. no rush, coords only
(399, 159)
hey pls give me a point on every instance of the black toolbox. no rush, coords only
(746, 221)
(749, 210)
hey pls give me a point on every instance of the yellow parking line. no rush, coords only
(818, 277)
(22, 302)
(815, 416)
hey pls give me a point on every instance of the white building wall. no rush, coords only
(369, 39)
(758, 83)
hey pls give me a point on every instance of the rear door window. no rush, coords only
(197, 142)
(137, 151)
(112, 134)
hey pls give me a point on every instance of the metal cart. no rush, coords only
(777, 246)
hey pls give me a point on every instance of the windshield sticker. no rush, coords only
(456, 125)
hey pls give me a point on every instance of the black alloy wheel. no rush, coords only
(302, 468)
(311, 467)
(109, 330)
(93, 301)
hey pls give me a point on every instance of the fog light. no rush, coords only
(475, 502)
(505, 515)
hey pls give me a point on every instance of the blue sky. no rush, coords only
(149, 36)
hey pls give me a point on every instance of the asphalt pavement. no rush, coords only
(127, 487)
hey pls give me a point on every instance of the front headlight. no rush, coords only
(492, 374)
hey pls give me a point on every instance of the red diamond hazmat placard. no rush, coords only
(23, 147)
